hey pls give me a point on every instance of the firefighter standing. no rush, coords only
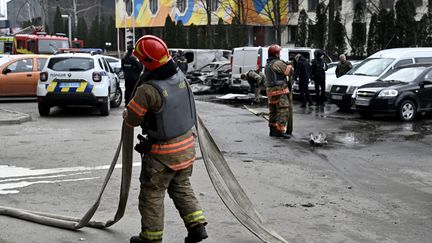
(164, 106)
(131, 68)
(256, 80)
(278, 90)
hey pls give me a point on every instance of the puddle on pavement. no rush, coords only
(12, 178)
(366, 134)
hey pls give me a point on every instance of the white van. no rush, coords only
(198, 58)
(253, 58)
(343, 89)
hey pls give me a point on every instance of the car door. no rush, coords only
(425, 91)
(19, 78)
(110, 74)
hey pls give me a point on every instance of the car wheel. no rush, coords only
(407, 110)
(105, 107)
(116, 102)
(366, 114)
(44, 109)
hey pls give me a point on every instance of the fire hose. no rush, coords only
(221, 176)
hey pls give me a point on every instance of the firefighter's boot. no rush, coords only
(196, 234)
(275, 133)
(139, 239)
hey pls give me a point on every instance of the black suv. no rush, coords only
(404, 91)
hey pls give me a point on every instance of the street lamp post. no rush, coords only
(67, 16)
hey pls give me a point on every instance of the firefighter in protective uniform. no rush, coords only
(278, 91)
(164, 107)
(256, 80)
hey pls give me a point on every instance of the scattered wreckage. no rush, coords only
(211, 78)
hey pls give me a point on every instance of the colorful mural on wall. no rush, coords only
(152, 13)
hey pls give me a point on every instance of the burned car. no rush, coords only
(212, 78)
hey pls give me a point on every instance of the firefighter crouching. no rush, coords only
(278, 90)
(164, 107)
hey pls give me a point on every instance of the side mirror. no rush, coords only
(6, 71)
(426, 82)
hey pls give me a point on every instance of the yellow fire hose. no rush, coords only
(221, 176)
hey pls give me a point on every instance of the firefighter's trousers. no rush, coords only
(279, 112)
(156, 179)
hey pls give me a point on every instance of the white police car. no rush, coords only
(78, 79)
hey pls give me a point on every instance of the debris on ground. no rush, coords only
(318, 140)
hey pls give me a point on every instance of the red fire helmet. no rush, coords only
(274, 50)
(151, 51)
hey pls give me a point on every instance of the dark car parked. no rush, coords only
(405, 91)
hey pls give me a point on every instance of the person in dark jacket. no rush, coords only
(318, 76)
(131, 68)
(303, 74)
(181, 61)
(343, 66)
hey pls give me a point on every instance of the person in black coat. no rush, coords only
(131, 69)
(302, 70)
(318, 76)
(181, 61)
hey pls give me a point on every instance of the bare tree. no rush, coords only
(275, 11)
(79, 7)
(206, 5)
(236, 9)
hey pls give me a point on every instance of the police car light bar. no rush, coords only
(92, 51)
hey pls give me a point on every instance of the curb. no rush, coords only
(8, 117)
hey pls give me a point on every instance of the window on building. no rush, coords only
(355, 2)
(181, 5)
(214, 5)
(386, 4)
(312, 5)
(154, 6)
(293, 5)
(292, 33)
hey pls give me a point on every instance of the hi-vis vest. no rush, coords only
(177, 113)
(272, 78)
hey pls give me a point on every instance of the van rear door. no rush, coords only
(244, 60)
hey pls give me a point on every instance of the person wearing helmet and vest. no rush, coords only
(164, 107)
(278, 89)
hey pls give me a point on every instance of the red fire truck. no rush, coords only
(39, 43)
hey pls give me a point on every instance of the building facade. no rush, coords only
(148, 16)
(346, 8)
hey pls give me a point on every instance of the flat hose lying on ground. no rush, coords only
(126, 140)
(229, 189)
(222, 178)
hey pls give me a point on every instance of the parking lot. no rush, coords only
(371, 183)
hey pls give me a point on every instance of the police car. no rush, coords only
(78, 79)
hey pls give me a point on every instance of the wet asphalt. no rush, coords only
(372, 182)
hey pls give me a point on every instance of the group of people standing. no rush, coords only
(314, 71)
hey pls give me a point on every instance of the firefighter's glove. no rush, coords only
(144, 144)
